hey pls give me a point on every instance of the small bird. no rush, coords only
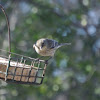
(47, 47)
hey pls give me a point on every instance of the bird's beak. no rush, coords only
(33, 45)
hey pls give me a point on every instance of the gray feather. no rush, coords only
(63, 44)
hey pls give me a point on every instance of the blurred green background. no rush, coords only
(74, 72)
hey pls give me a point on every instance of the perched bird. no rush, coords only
(47, 47)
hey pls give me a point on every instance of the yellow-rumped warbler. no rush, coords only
(47, 47)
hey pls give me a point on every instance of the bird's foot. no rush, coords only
(46, 61)
(49, 58)
(37, 59)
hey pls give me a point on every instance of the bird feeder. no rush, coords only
(16, 68)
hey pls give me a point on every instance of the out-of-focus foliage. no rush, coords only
(74, 73)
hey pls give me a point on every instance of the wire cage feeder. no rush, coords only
(16, 68)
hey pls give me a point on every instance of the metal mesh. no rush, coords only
(23, 70)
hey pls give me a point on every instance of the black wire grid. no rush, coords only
(32, 71)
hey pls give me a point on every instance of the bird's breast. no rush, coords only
(45, 51)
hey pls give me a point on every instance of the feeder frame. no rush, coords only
(20, 69)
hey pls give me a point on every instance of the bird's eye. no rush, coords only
(42, 44)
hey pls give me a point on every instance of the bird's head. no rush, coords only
(40, 44)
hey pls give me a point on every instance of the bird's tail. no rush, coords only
(63, 44)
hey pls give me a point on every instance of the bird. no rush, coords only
(47, 47)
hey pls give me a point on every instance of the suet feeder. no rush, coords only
(16, 68)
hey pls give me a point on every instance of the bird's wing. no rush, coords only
(52, 43)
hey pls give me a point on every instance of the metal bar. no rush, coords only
(27, 76)
(44, 69)
(21, 59)
(7, 68)
(37, 72)
(43, 72)
(2, 8)
(23, 56)
(22, 70)
(18, 82)
(29, 67)
(30, 71)
(15, 70)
